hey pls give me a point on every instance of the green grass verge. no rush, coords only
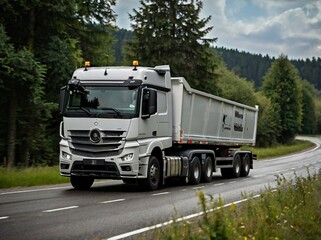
(280, 150)
(291, 212)
(34, 176)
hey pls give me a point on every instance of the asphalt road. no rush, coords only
(114, 210)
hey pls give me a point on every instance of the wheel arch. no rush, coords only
(190, 153)
(242, 154)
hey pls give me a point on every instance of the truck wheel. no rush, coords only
(81, 183)
(235, 171)
(153, 175)
(237, 166)
(245, 168)
(195, 171)
(207, 170)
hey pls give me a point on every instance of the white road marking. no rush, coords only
(34, 190)
(46, 189)
(232, 182)
(218, 184)
(200, 187)
(113, 201)
(4, 217)
(60, 209)
(158, 194)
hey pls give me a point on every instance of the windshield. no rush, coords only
(103, 101)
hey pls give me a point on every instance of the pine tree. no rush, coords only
(171, 32)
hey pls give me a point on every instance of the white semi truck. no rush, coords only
(141, 125)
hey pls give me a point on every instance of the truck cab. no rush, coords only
(114, 120)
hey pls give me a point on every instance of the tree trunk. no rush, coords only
(31, 29)
(12, 121)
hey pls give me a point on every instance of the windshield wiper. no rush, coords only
(114, 110)
(85, 110)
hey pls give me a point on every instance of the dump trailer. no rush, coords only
(143, 126)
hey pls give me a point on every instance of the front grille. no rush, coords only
(95, 154)
(106, 170)
(111, 144)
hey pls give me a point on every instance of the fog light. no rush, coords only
(64, 166)
(66, 155)
(128, 157)
(126, 168)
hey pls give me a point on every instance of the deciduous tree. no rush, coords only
(281, 86)
(55, 35)
(22, 78)
(309, 108)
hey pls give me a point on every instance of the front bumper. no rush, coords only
(113, 167)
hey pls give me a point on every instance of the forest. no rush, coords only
(254, 66)
(43, 42)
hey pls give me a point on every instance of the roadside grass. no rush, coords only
(292, 211)
(280, 150)
(34, 176)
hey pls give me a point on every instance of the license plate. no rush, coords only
(94, 161)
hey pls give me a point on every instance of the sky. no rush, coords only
(267, 27)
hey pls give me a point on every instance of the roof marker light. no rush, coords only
(135, 64)
(86, 64)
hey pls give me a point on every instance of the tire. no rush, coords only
(235, 171)
(81, 183)
(245, 168)
(195, 171)
(237, 166)
(207, 172)
(152, 181)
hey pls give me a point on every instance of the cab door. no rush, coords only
(149, 122)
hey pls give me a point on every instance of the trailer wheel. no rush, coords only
(81, 183)
(153, 175)
(245, 168)
(235, 171)
(207, 170)
(195, 171)
(237, 166)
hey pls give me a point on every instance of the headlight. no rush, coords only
(128, 157)
(66, 155)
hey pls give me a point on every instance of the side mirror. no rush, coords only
(62, 99)
(149, 103)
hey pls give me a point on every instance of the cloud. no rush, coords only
(123, 9)
(294, 29)
(295, 32)
(272, 27)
